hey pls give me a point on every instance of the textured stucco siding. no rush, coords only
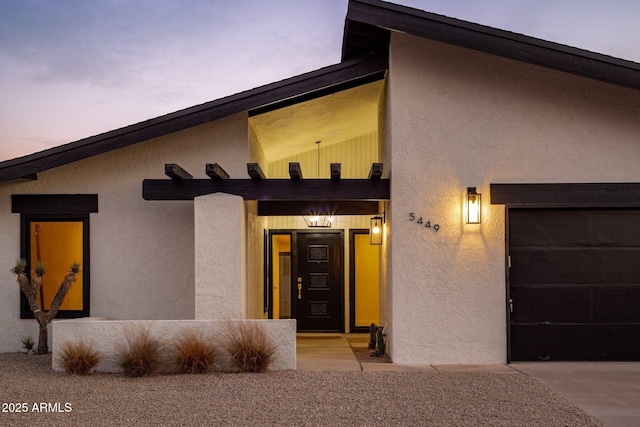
(142, 252)
(462, 118)
(220, 257)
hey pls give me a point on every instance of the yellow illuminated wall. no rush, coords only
(354, 155)
(59, 245)
(280, 243)
(367, 267)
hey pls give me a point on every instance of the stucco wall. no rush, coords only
(220, 257)
(142, 252)
(462, 118)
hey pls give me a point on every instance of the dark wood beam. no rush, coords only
(305, 207)
(255, 172)
(295, 172)
(215, 171)
(376, 171)
(335, 171)
(55, 203)
(269, 189)
(612, 195)
(175, 172)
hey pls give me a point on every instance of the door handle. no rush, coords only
(299, 287)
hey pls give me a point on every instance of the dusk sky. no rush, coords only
(70, 69)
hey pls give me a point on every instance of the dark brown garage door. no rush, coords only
(574, 284)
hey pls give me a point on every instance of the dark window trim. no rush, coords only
(54, 203)
(57, 207)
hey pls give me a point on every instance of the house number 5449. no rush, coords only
(412, 217)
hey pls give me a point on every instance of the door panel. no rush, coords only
(318, 286)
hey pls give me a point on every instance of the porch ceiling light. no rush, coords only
(474, 206)
(318, 221)
(375, 232)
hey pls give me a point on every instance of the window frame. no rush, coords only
(57, 208)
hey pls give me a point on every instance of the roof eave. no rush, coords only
(491, 40)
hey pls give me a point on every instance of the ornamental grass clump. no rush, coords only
(194, 354)
(249, 346)
(78, 358)
(139, 355)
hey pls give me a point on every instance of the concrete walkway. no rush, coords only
(332, 352)
(325, 352)
(609, 391)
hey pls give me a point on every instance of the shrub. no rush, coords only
(27, 343)
(139, 355)
(194, 354)
(78, 358)
(249, 346)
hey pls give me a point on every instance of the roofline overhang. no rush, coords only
(296, 89)
(391, 17)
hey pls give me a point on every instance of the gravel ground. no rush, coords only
(282, 398)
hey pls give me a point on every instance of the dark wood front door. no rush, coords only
(574, 283)
(318, 284)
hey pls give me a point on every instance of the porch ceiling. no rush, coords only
(331, 119)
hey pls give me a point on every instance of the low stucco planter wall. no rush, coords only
(106, 335)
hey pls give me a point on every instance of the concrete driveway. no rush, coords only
(609, 391)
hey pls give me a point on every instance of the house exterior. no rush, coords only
(199, 214)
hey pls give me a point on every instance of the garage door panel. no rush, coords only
(587, 342)
(618, 266)
(550, 229)
(616, 342)
(549, 342)
(575, 265)
(550, 266)
(528, 342)
(580, 337)
(617, 228)
(617, 304)
(533, 304)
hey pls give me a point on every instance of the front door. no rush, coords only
(318, 283)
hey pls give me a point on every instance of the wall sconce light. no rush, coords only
(474, 206)
(375, 232)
